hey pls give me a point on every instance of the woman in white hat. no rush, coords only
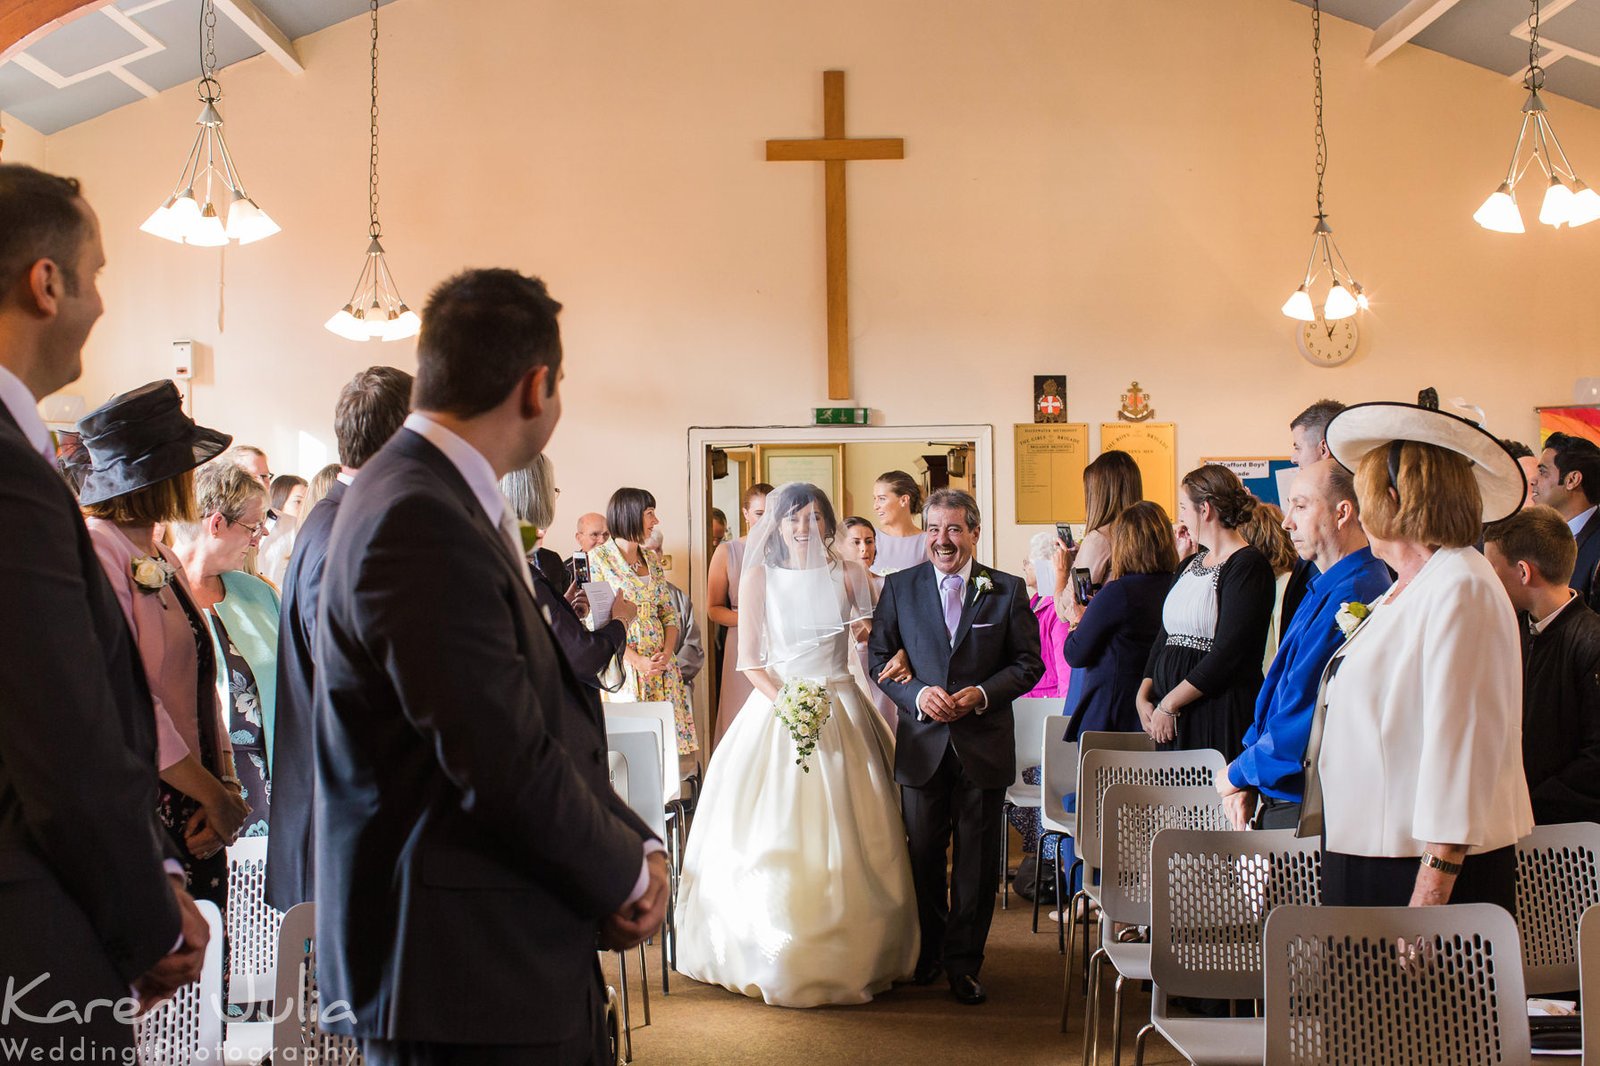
(1418, 787)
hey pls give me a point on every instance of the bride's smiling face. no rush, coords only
(800, 528)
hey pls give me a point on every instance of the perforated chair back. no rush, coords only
(1027, 717)
(186, 1030)
(1210, 894)
(1058, 773)
(1132, 815)
(644, 777)
(1558, 878)
(1341, 993)
(297, 1007)
(252, 924)
(659, 719)
(1103, 767)
(1589, 981)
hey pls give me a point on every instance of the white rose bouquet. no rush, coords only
(803, 706)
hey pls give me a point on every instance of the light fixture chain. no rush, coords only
(210, 88)
(372, 161)
(1535, 79)
(1316, 72)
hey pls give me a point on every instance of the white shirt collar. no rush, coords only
(25, 410)
(345, 479)
(1544, 623)
(966, 578)
(1576, 524)
(474, 468)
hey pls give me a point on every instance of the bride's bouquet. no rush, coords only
(803, 705)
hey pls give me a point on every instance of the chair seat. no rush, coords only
(1024, 795)
(1048, 824)
(1216, 1041)
(1132, 960)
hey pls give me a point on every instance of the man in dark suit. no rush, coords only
(973, 646)
(369, 412)
(470, 853)
(87, 909)
(1568, 479)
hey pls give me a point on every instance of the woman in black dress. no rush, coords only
(1204, 671)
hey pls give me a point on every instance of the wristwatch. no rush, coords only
(1442, 865)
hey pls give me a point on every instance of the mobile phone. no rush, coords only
(1064, 531)
(1082, 587)
(579, 564)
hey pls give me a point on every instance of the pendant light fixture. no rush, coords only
(1344, 294)
(1573, 204)
(375, 310)
(190, 214)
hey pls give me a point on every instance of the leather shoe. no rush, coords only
(926, 973)
(967, 990)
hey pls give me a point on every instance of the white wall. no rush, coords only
(24, 144)
(1118, 191)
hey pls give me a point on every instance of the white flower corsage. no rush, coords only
(152, 574)
(1350, 617)
(803, 706)
(982, 583)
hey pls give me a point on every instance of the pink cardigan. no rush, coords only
(166, 647)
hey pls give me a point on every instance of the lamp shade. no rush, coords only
(247, 222)
(1340, 304)
(1585, 205)
(163, 222)
(405, 324)
(1557, 206)
(207, 232)
(1499, 212)
(1298, 306)
(345, 324)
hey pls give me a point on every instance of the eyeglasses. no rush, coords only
(253, 527)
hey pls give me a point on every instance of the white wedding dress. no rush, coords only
(797, 886)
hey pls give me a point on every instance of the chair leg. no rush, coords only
(1005, 861)
(627, 1011)
(1091, 1010)
(1116, 1021)
(1068, 977)
(1138, 1044)
(644, 982)
(1038, 876)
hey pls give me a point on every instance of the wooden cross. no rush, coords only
(833, 150)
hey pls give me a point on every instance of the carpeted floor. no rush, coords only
(698, 1024)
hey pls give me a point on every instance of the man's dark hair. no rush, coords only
(41, 217)
(1517, 449)
(1580, 454)
(1317, 417)
(625, 513)
(371, 408)
(953, 500)
(482, 332)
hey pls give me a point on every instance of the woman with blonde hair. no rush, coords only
(1266, 534)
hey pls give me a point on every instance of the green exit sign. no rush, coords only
(841, 416)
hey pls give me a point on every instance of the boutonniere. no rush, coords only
(151, 574)
(981, 584)
(1350, 617)
(530, 536)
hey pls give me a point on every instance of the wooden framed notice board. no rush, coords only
(1050, 457)
(1154, 447)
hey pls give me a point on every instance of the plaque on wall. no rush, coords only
(1154, 447)
(1050, 458)
(1050, 398)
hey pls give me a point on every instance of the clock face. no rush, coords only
(1328, 343)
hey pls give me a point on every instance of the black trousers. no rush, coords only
(1277, 814)
(954, 917)
(592, 1048)
(1366, 881)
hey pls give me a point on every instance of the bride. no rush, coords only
(796, 883)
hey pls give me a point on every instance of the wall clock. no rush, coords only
(1328, 343)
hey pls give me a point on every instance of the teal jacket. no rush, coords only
(249, 612)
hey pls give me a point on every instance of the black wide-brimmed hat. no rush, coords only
(1363, 427)
(142, 438)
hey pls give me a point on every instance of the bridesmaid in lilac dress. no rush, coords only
(860, 542)
(722, 593)
(897, 501)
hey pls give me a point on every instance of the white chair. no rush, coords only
(1589, 981)
(1058, 761)
(1132, 815)
(659, 720)
(1558, 880)
(621, 716)
(188, 1027)
(1028, 715)
(639, 785)
(252, 924)
(1211, 893)
(297, 1005)
(1343, 991)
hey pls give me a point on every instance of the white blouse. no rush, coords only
(1189, 613)
(1423, 734)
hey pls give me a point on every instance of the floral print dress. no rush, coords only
(647, 634)
(243, 715)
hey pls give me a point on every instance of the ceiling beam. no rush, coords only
(1403, 25)
(263, 31)
(25, 22)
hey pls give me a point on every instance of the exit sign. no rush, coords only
(841, 416)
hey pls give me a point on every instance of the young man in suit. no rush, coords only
(1568, 479)
(470, 852)
(973, 646)
(370, 410)
(1532, 553)
(87, 907)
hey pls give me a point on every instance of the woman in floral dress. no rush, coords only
(637, 575)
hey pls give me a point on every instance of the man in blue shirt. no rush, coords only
(1322, 520)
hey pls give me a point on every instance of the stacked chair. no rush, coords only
(1029, 716)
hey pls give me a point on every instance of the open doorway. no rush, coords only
(844, 461)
